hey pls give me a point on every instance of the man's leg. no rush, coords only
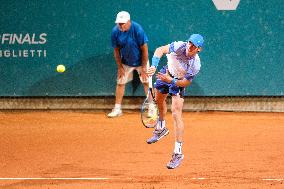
(143, 78)
(160, 130)
(146, 86)
(177, 104)
(116, 111)
(119, 92)
(162, 105)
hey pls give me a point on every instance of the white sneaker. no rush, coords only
(115, 113)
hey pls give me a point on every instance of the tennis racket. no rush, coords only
(149, 108)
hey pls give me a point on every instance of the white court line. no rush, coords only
(98, 178)
(272, 179)
(102, 178)
(198, 178)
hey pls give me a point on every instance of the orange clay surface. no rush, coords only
(66, 150)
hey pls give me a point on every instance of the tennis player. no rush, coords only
(182, 66)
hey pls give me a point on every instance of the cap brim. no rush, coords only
(195, 44)
(121, 21)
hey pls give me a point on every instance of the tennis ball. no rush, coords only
(60, 68)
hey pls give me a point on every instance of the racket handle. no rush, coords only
(150, 82)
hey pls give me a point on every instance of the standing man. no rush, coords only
(131, 53)
(183, 65)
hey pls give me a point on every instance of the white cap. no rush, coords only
(122, 17)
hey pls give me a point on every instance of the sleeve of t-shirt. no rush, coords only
(175, 45)
(141, 36)
(113, 38)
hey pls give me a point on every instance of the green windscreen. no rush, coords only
(243, 53)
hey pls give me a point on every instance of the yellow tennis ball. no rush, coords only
(60, 68)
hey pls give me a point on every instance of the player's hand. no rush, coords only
(151, 71)
(120, 72)
(164, 77)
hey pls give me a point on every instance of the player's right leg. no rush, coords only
(160, 129)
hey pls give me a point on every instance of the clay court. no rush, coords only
(84, 149)
(63, 65)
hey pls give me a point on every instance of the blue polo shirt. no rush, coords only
(129, 43)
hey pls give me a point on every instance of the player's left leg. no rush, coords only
(177, 104)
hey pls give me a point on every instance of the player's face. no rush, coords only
(192, 50)
(123, 26)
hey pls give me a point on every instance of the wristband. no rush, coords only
(174, 81)
(155, 61)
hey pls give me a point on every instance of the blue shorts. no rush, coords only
(168, 88)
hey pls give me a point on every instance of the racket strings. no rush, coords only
(150, 114)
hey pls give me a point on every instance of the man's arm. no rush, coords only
(144, 53)
(117, 57)
(183, 83)
(120, 70)
(160, 51)
(180, 83)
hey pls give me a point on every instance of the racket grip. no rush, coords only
(150, 82)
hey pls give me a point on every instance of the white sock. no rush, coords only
(117, 106)
(178, 148)
(161, 124)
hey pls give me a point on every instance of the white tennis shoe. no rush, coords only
(115, 113)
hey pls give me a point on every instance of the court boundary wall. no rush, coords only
(254, 104)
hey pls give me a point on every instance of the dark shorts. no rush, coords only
(168, 88)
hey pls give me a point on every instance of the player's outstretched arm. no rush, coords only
(159, 52)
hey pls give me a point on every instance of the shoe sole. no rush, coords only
(177, 165)
(114, 116)
(159, 138)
